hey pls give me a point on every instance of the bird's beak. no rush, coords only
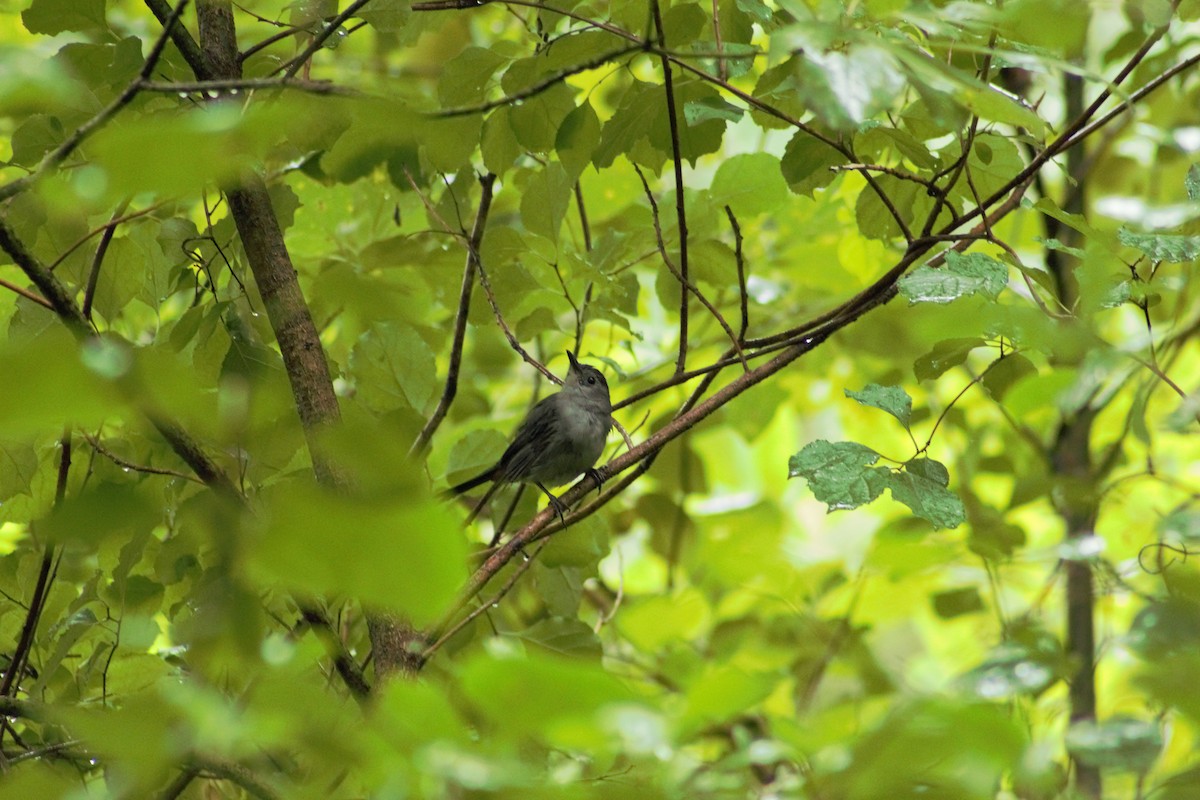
(574, 363)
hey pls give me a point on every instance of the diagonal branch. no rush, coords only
(487, 182)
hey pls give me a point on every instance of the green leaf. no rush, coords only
(545, 199)
(990, 535)
(393, 366)
(957, 602)
(891, 399)
(928, 499)
(846, 88)
(806, 164)
(537, 120)
(1006, 372)
(577, 139)
(724, 691)
(105, 510)
(36, 136)
(875, 219)
(962, 276)
(29, 86)
(18, 465)
(931, 470)
(652, 623)
(1161, 246)
(945, 355)
(709, 108)
(52, 17)
(563, 636)
(402, 553)
(839, 473)
(386, 16)
(1121, 743)
(465, 78)
(581, 545)
(750, 184)
(570, 693)
(499, 146)
(56, 387)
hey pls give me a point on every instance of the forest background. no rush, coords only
(896, 301)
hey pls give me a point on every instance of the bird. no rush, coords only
(560, 438)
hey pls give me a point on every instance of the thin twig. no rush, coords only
(460, 320)
(537, 88)
(188, 46)
(893, 171)
(125, 463)
(687, 285)
(292, 67)
(113, 222)
(507, 331)
(28, 295)
(231, 85)
(680, 208)
(739, 257)
(521, 569)
(93, 280)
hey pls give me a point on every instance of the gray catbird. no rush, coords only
(560, 438)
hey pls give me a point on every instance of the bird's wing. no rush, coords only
(531, 439)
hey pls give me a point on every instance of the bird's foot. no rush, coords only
(598, 474)
(559, 508)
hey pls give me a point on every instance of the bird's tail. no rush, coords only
(470, 484)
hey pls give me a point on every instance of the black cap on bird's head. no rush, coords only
(586, 375)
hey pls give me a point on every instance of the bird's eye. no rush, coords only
(591, 379)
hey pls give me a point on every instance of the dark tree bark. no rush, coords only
(288, 312)
(1071, 459)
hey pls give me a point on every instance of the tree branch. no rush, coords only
(487, 182)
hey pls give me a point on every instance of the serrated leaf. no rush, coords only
(891, 399)
(962, 276)
(927, 499)
(1162, 246)
(839, 474)
(945, 355)
(393, 366)
(846, 88)
(545, 200)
